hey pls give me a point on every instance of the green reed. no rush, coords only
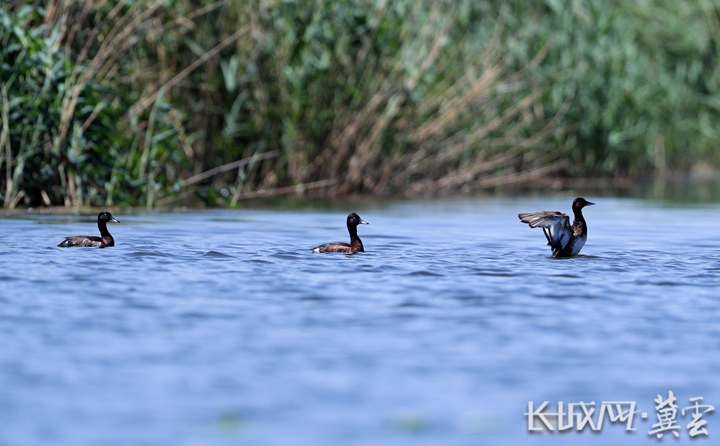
(151, 103)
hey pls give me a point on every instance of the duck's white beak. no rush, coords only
(363, 222)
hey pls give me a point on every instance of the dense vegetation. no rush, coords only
(149, 102)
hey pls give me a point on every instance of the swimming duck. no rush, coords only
(353, 220)
(103, 241)
(564, 240)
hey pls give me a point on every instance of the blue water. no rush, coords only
(222, 328)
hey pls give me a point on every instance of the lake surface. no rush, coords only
(222, 328)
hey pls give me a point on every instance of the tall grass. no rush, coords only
(645, 82)
(398, 97)
(150, 102)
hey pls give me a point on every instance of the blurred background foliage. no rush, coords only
(155, 102)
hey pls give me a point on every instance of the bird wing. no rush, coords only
(555, 225)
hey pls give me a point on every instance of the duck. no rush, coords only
(564, 240)
(105, 240)
(355, 245)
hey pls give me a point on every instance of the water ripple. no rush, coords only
(446, 327)
(218, 255)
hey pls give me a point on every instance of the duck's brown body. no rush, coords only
(83, 241)
(355, 246)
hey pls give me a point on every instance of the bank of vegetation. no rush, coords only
(154, 102)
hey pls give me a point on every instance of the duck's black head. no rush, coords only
(580, 203)
(106, 217)
(354, 220)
